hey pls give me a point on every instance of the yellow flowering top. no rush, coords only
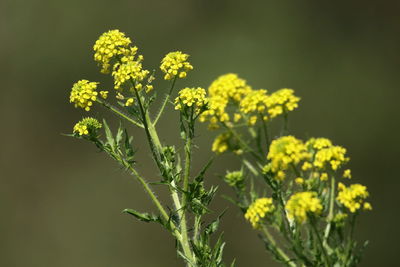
(87, 126)
(83, 94)
(228, 88)
(175, 64)
(255, 102)
(191, 97)
(258, 210)
(221, 143)
(300, 204)
(216, 112)
(109, 45)
(353, 197)
(333, 156)
(283, 153)
(282, 101)
(234, 178)
(318, 143)
(123, 72)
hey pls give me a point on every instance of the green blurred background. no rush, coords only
(61, 200)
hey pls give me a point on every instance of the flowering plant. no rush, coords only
(284, 185)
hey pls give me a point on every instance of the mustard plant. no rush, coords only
(292, 192)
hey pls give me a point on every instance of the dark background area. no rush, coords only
(60, 199)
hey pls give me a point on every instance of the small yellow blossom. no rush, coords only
(347, 174)
(129, 102)
(285, 152)
(109, 45)
(299, 181)
(352, 197)
(306, 166)
(221, 143)
(234, 178)
(216, 112)
(300, 204)
(131, 70)
(334, 155)
(258, 210)
(104, 94)
(367, 206)
(149, 88)
(175, 64)
(83, 94)
(324, 176)
(254, 102)
(318, 143)
(87, 126)
(281, 101)
(191, 97)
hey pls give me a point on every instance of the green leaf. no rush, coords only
(109, 136)
(145, 217)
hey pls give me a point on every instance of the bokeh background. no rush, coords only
(60, 199)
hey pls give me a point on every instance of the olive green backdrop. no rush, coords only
(60, 200)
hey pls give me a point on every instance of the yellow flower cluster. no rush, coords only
(258, 210)
(225, 89)
(109, 45)
(191, 97)
(334, 155)
(234, 178)
(281, 101)
(300, 204)
(175, 64)
(83, 94)
(284, 153)
(87, 126)
(130, 70)
(318, 143)
(255, 102)
(352, 197)
(221, 143)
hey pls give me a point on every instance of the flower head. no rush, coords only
(221, 143)
(301, 204)
(333, 156)
(353, 197)
(258, 210)
(109, 45)
(87, 126)
(284, 152)
(281, 101)
(129, 70)
(175, 64)
(83, 94)
(255, 102)
(191, 97)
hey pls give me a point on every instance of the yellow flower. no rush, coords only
(347, 174)
(129, 102)
(130, 70)
(104, 94)
(216, 112)
(175, 64)
(87, 126)
(281, 101)
(109, 45)
(367, 206)
(254, 102)
(352, 197)
(258, 210)
(285, 152)
(324, 176)
(334, 155)
(221, 143)
(83, 94)
(299, 181)
(191, 97)
(301, 204)
(318, 143)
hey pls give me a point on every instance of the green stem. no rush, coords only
(313, 225)
(266, 135)
(279, 252)
(164, 104)
(118, 112)
(330, 214)
(243, 143)
(285, 128)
